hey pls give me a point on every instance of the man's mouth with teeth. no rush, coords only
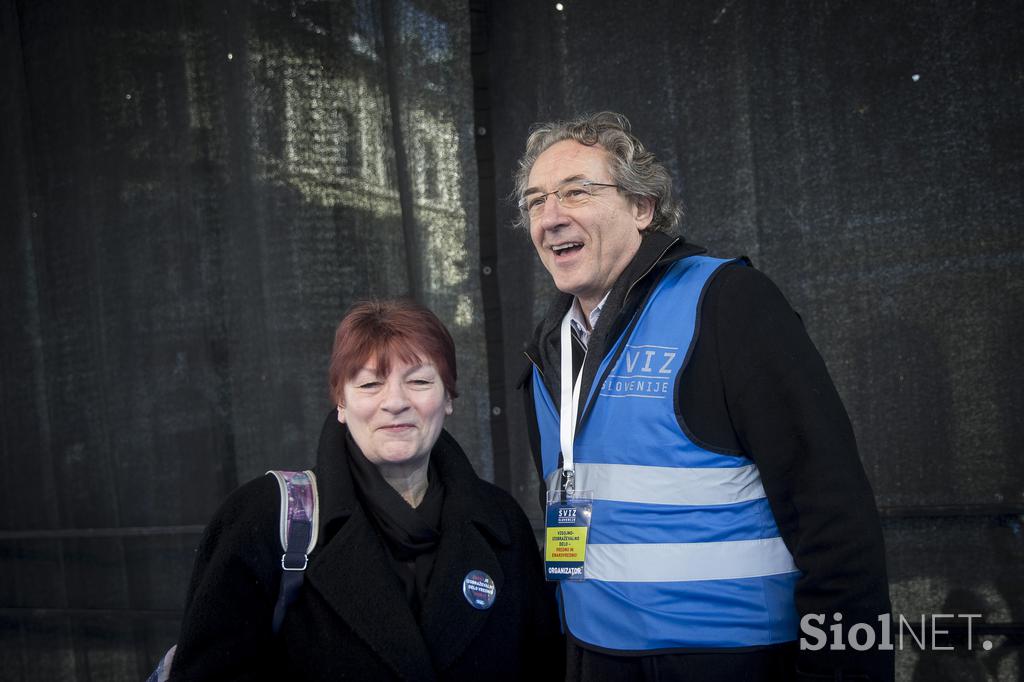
(567, 248)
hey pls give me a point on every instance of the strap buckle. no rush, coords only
(286, 567)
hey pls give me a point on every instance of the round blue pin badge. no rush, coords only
(479, 590)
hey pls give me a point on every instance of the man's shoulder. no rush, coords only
(740, 283)
(734, 291)
(736, 277)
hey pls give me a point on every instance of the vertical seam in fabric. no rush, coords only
(479, 15)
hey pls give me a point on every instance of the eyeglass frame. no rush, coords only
(558, 193)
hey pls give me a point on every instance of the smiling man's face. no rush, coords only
(584, 248)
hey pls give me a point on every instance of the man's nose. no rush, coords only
(552, 213)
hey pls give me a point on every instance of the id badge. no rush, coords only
(567, 526)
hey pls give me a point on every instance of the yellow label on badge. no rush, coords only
(566, 543)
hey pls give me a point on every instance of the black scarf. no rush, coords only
(410, 534)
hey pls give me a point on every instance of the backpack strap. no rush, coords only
(299, 523)
(163, 668)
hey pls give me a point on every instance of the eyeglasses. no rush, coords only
(570, 195)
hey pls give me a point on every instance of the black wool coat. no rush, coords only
(351, 619)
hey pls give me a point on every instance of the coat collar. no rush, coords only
(351, 568)
(463, 494)
(657, 250)
(336, 489)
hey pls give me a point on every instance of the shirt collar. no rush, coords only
(584, 328)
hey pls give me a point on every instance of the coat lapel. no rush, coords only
(353, 574)
(450, 623)
(471, 526)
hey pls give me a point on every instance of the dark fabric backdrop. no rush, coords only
(191, 194)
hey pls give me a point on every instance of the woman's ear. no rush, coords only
(341, 413)
(449, 406)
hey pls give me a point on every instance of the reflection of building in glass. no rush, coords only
(322, 134)
(321, 125)
(319, 101)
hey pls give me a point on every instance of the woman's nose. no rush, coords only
(395, 398)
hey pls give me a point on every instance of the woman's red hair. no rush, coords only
(385, 330)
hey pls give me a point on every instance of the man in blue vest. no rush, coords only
(729, 501)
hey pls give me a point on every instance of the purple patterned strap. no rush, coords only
(298, 488)
(300, 519)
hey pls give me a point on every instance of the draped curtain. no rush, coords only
(193, 193)
(869, 157)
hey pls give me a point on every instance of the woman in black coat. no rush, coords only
(404, 525)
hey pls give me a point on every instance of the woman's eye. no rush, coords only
(369, 384)
(421, 382)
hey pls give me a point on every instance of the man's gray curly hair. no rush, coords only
(633, 168)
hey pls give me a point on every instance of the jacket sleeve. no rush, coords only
(544, 658)
(226, 629)
(786, 414)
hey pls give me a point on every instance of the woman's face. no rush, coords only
(395, 420)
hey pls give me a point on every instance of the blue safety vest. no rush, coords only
(684, 551)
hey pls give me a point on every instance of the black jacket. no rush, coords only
(756, 386)
(351, 619)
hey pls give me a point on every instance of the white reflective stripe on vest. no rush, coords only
(678, 562)
(699, 487)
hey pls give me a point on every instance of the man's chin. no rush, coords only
(565, 284)
(567, 289)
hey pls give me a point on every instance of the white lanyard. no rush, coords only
(570, 402)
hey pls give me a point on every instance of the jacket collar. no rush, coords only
(657, 250)
(335, 486)
(463, 497)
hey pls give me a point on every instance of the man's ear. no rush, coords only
(643, 212)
